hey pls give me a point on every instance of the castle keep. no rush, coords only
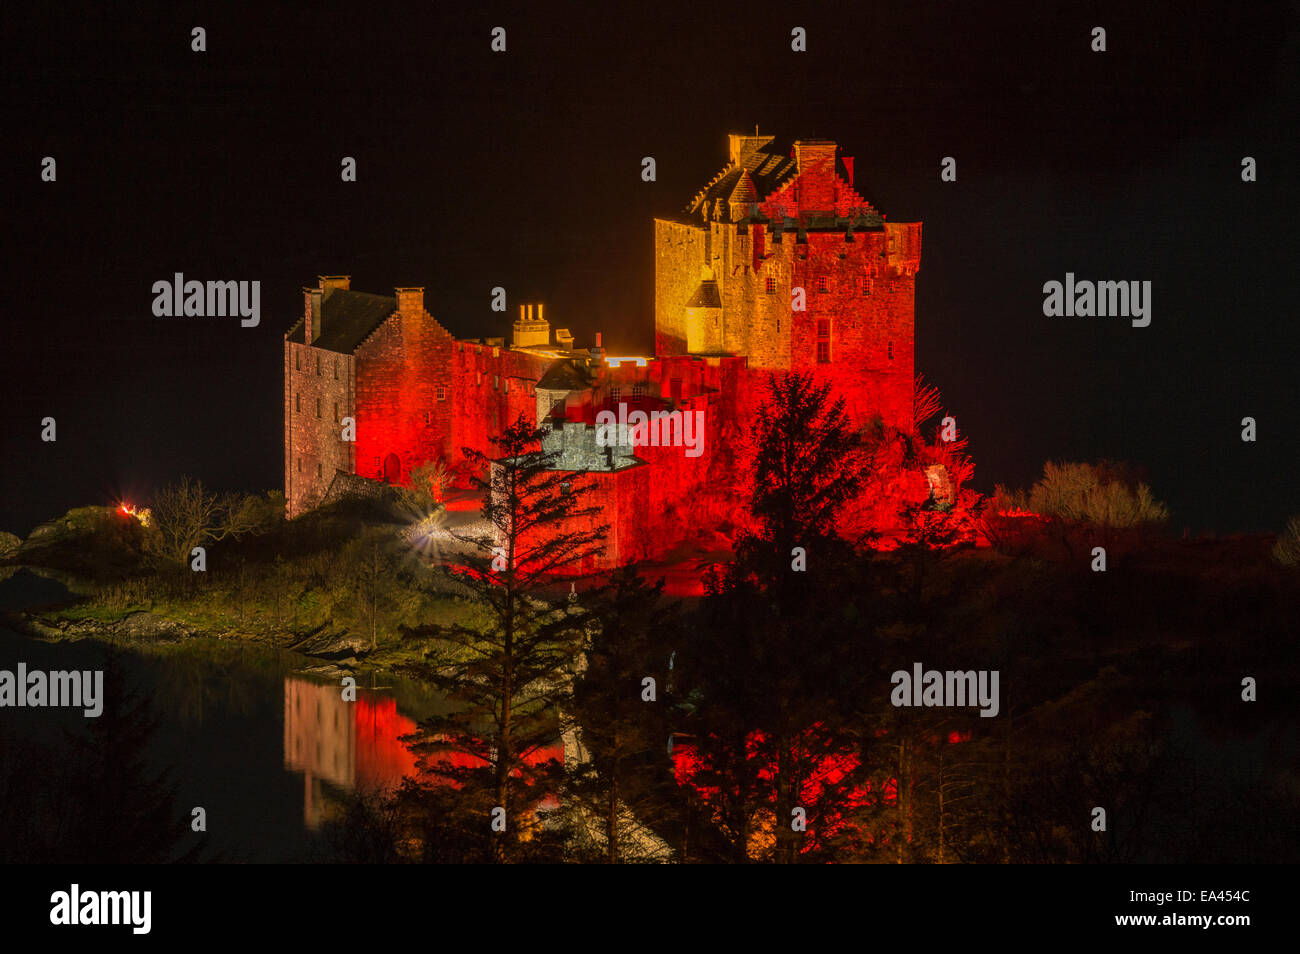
(777, 264)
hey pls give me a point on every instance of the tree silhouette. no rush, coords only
(621, 788)
(767, 687)
(498, 745)
(126, 813)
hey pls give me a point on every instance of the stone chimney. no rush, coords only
(564, 338)
(410, 299)
(313, 323)
(330, 282)
(531, 329)
(742, 145)
(815, 159)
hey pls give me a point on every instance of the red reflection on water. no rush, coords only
(381, 759)
(357, 745)
(349, 745)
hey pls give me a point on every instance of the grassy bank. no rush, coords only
(342, 583)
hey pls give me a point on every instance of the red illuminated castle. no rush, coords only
(777, 264)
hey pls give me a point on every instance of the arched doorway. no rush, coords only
(392, 469)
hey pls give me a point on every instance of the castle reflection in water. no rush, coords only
(344, 745)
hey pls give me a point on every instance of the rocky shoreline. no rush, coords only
(344, 650)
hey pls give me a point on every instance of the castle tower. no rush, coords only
(779, 227)
(704, 317)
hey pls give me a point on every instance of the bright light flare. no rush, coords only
(141, 514)
(426, 533)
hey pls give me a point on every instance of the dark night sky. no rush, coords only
(523, 170)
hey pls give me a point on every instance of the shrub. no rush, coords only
(1287, 549)
(1100, 495)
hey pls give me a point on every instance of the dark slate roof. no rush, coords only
(706, 295)
(349, 318)
(565, 375)
(758, 175)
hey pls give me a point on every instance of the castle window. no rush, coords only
(866, 287)
(615, 394)
(822, 284)
(297, 360)
(297, 403)
(300, 465)
(823, 327)
(823, 352)
(823, 341)
(336, 412)
(336, 369)
(318, 407)
(771, 285)
(428, 418)
(478, 377)
(318, 366)
(442, 393)
(638, 390)
(891, 351)
(318, 473)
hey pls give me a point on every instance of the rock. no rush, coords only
(332, 645)
(8, 542)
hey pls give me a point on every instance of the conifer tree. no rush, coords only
(622, 788)
(771, 674)
(126, 811)
(506, 681)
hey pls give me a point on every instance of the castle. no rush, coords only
(777, 264)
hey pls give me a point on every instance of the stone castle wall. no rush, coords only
(318, 394)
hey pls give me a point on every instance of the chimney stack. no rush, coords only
(330, 282)
(741, 145)
(410, 299)
(531, 330)
(815, 159)
(311, 313)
